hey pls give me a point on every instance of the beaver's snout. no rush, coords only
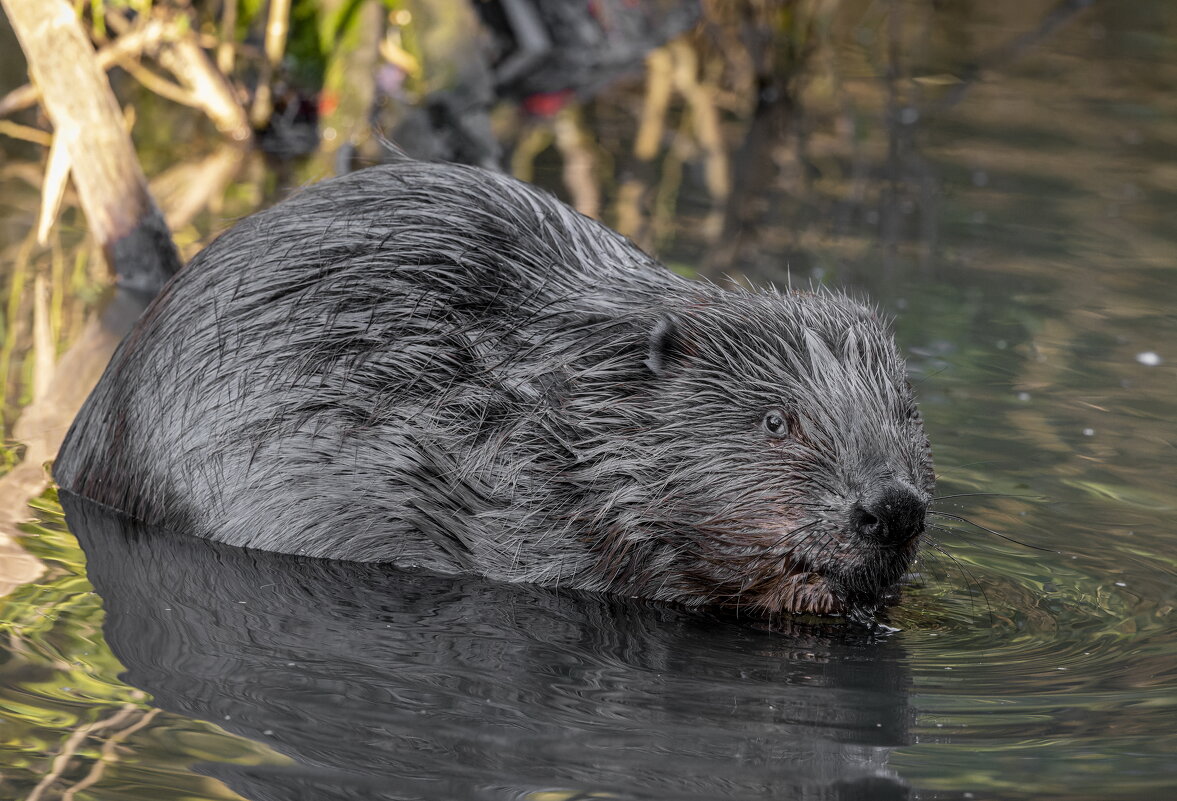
(892, 514)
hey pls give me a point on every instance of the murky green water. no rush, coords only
(998, 176)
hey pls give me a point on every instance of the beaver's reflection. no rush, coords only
(387, 684)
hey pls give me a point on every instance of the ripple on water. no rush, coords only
(1023, 660)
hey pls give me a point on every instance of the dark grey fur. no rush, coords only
(435, 365)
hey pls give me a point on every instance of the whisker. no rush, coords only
(789, 534)
(919, 382)
(989, 530)
(986, 495)
(974, 464)
(969, 577)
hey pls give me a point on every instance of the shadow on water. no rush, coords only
(367, 682)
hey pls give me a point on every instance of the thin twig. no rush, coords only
(132, 44)
(26, 133)
(160, 85)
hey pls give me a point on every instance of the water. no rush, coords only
(997, 177)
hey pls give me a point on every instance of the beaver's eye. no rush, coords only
(776, 423)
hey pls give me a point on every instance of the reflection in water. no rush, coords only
(385, 684)
(44, 421)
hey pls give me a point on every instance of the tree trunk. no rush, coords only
(88, 123)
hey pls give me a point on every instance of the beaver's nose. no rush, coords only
(891, 514)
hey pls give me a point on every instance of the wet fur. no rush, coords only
(439, 366)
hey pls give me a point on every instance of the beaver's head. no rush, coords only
(781, 460)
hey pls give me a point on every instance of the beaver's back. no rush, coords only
(288, 385)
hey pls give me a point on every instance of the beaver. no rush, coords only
(442, 367)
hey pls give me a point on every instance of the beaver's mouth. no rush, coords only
(856, 582)
(869, 580)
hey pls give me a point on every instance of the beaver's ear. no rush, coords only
(667, 346)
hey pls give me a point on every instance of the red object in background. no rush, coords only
(546, 104)
(328, 102)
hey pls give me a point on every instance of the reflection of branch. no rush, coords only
(579, 162)
(186, 189)
(1013, 49)
(700, 99)
(226, 52)
(277, 25)
(43, 423)
(632, 193)
(69, 749)
(652, 126)
(107, 755)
